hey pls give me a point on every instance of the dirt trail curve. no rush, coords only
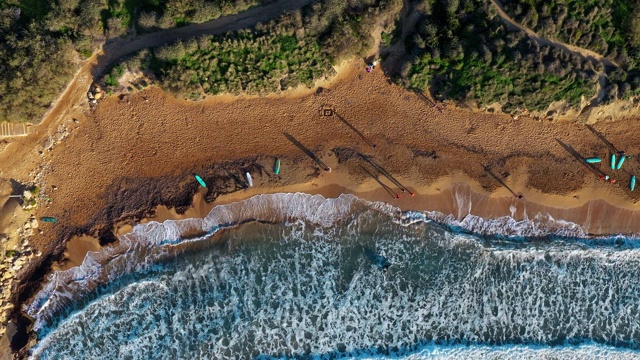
(122, 47)
(75, 92)
(585, 53)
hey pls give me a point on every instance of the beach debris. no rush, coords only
(593, 160)
(327, 110)
(632, 185)
(249, 180)
(613, 161)
(276, 167)
(202, 183)
(49, 219)
(94, 94)
(620, 162)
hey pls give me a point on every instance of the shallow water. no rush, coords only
(306, 281)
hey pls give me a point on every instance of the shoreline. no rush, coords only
(455, 195)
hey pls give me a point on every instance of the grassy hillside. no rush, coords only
(459, 49)
(463, 51)
(608, 27)
(42, 40)
(298, 48)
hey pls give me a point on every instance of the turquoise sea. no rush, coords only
(301, 276)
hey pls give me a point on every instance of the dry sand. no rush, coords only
(134, 153)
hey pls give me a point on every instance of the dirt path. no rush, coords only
(125, 46)
(584, 53)
(73, 99)
(397, 51)
(74, 93)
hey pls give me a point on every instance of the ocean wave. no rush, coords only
(303, 290)
(149, 243)
(516, 352)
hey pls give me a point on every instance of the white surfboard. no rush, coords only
(249, 180)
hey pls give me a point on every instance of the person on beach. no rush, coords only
(371, 66)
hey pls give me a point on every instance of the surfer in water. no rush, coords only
(380, 261)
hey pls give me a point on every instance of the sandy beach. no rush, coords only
(133, 157)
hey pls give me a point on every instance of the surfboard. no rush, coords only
(613, 161)
(593, 160)
(620, 162)
(249, 180)
(632, 186)
(49, 219)
(200, 180)
(276, 167)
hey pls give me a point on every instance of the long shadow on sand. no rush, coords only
(581, 159)
(387, 174)
(497, 178)
(603, 139)
(356, 131)
(384, 186)
(308, 152)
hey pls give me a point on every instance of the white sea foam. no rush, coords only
(307, 290)
(517, 352)
(505, 226)
(142, 247)
(149, 243)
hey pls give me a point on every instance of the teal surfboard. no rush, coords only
(200, 180)
(632, 186)
(620, 162)
(613, 161)
(49, 219)
(593, 160)
(276, 167)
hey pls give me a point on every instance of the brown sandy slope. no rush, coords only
(135, 152)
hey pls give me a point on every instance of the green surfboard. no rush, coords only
(200, 180)
(276, 167)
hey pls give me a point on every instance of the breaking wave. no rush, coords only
(302, 277)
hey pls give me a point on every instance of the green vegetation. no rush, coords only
(114, 75)
(463, 51)
(608, 27)
(248, 62)
(297, 49)
(41, 40)
(459, 49)
(10, 253)
(164, 14)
